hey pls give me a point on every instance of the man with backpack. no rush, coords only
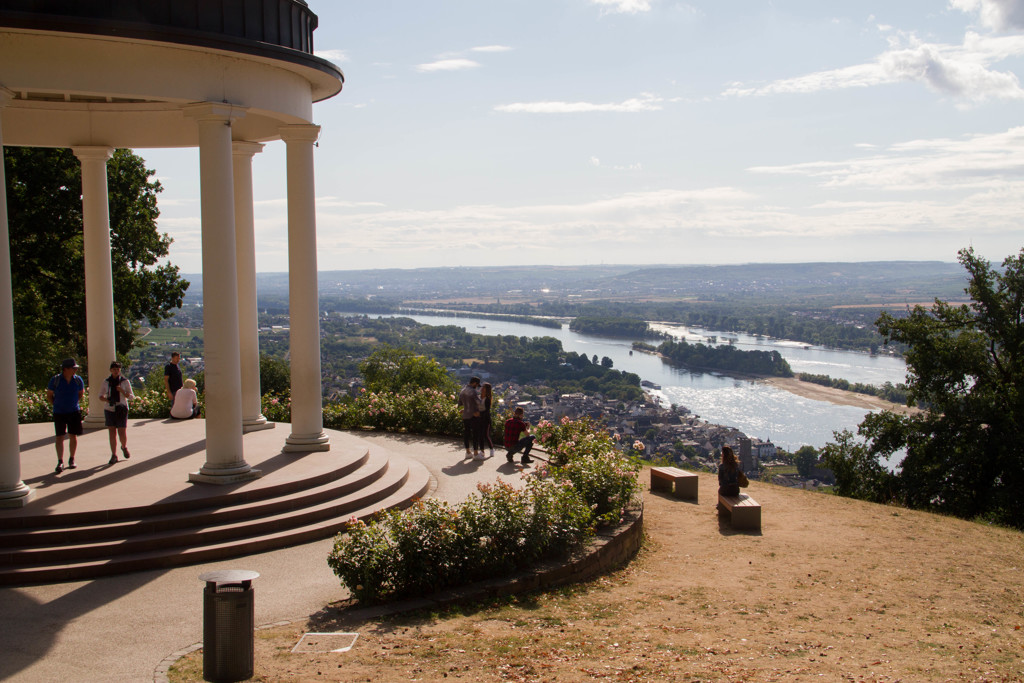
(64, 391)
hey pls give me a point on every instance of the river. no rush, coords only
(758, 410)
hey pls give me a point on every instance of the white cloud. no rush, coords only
(668, 214)
(637, 104)
(594, 161)
(999, 15)
(623, 6)
(942, 190)
(454, 64)
(971, 164)
(961, 71)
(332, 55)
(491, 48)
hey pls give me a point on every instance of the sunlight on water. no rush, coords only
(765, 412)
(758, 410)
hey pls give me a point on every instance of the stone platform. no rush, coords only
(143, 513)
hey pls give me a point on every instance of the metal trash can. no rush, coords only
(228, 625)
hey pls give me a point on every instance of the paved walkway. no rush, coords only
(120, 628)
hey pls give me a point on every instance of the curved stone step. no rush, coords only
(346, 465)
(403, 482)
(371, 466)
(210, 530)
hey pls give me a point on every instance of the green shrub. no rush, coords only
(419, 411)
(148, 403)
(33, 407)
(584, 454)
(278, 407)
(435, 545)
(501, 528)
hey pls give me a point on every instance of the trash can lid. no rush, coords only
(229, 576)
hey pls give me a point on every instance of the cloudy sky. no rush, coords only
(472, 132)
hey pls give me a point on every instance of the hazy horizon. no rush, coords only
(609, 265)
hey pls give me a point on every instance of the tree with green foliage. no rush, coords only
(275, 375)
(44, 203)
(858, 472)
(725, 358)
(805, 458)
(966, 365)
(396, 370)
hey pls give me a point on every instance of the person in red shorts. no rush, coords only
(514, 427)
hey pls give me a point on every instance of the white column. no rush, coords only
(245, 259)
(303, 298)
(101, 346)
(13, 491)
(225, 463)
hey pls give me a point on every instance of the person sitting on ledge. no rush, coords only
(186, 402)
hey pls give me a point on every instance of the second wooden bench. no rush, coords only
(744, 511)
(680, 483)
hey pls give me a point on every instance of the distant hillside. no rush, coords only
(910, 280)
(868, 284)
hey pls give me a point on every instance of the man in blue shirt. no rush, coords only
(65, 392)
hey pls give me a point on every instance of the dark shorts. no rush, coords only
(118, 417)
(70, 423)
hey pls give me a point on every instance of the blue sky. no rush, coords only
(476, 132)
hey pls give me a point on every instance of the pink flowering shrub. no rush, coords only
(584, 454)
(499, 529)
(419, 411)
(33, 407)
(434, 545)
(276, 407)
(152, 404)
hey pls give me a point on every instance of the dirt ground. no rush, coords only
(832, 589)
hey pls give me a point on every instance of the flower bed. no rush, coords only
(497, 530)
(33, 406)
(421, 411)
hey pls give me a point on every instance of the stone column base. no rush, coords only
(298, 443)
(93, 422)
(256, 424)
(17, 497)
(226, 475)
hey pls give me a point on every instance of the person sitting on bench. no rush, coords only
(729, 473)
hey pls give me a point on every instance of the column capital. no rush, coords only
(306, 132)
(213, 111)
(93, 152)
(241, 148)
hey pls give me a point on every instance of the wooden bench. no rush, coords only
(684, 483)
(744, 511)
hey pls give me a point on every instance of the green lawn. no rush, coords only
(163, 335)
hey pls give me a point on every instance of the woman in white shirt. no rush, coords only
(186, 402)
